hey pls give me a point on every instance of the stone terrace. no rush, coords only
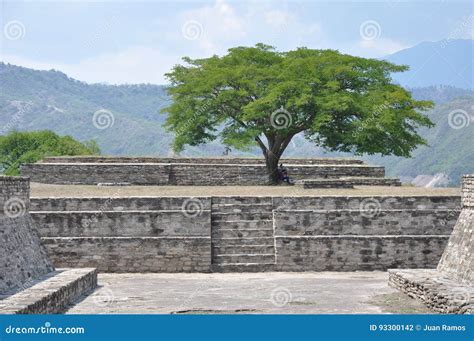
(243, 228)
(195, 171)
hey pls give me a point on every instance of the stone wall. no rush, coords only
(174, 234)
(198, 160)
(127, 234)
(14, 195)
(457, 262)
(53, 294)
(182, 174)
(449, 288)
(22, 258)
(361, 233)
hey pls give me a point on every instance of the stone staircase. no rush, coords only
(242, 234)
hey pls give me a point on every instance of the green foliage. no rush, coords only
(17, 148)
(449, 150)
(340, 102)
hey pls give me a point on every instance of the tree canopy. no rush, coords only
(258, 95)
(17, 148)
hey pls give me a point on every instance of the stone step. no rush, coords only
(236, 258)
(218, 242)
(241, 200)
(243, 224)
(241, 233)
(242, 216)
(373, 181)
(239, 208)
(243, 249)
(243, 267)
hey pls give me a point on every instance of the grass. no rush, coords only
(47, 191)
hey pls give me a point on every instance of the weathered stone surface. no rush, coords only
(28, 282)
(22, 258)
(183, 174)
(326, 183)
(458, 258)
(120, 203)
(247, 293)
(244, 233)
(14, 195)
(442, 288)
(132, 254)
(439, 293)
(52, 293)
(357, 222)
(349, 182)
(368, 203)
(361, 253)
(209, 160)
(121, 223)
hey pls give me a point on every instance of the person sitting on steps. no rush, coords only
(283, 174)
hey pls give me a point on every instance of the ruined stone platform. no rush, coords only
(225, 171)
(52, 293)
(28, 282)
(450, 287)
(243, 228)
(438, 292)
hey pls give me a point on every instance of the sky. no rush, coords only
(118, 42)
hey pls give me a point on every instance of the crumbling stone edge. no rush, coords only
(53, 294)
(438, 293)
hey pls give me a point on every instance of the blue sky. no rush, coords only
(138, 41)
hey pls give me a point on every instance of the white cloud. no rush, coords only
(220, 24)
(375, 48)
(137, 64)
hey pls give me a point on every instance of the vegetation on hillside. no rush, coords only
(17, 148)
(36, 100)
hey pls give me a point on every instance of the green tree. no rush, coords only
(17, 148)
(258, 95)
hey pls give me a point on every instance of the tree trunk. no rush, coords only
(272, 153)
(272, 167)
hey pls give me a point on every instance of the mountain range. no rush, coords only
(126, 119)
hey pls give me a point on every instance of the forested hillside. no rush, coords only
(125, 120)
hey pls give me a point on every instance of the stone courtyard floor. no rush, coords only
(247, 293)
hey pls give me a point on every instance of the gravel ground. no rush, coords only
(47, 190)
